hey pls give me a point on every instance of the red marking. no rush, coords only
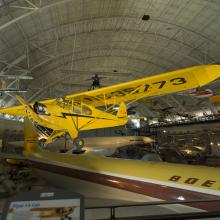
(202, 93)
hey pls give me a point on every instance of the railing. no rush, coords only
(194, 215)
(187, 121)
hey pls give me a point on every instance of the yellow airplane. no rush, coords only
(95, 109)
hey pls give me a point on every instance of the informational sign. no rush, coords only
(48, 205)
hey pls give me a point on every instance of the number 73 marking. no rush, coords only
(174, 81)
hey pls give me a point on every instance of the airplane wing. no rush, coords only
(16, 110)
(161, 84)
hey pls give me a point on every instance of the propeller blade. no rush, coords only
(21, 100)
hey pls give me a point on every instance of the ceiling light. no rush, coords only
(180, 198)
(146, 17)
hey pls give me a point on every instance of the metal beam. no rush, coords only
(31, 13)
(53, 83)
(12, 64)
(16, 77)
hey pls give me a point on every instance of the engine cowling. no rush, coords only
(40, 108)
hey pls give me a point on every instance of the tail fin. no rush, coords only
(30, 137)
(122, 112)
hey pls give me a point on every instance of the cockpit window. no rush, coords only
(86, 110)
(77, 109)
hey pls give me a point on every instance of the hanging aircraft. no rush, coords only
(55, 117)
(204, 93)
(198, 93)
(96, 82)
(215, 99)
(129, 180)
(104, 177)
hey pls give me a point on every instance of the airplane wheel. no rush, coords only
(41, 143)
(77, 146)
(79, 143)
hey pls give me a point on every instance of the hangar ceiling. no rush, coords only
(62, 43)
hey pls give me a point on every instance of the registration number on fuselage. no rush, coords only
(192, 181)
(139, 89)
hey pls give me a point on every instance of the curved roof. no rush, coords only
(62, 43)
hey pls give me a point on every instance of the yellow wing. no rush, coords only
(17, 110)
(161, 84)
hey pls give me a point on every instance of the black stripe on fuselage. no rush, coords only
(80, 116)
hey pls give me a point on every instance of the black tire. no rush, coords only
(41, 143)
(79, 143)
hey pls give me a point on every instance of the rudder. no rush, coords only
(30, 136)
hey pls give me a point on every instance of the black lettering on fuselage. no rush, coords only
(191, 180)
(208, 183)
(175, 178)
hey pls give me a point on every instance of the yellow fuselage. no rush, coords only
(72, 119)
